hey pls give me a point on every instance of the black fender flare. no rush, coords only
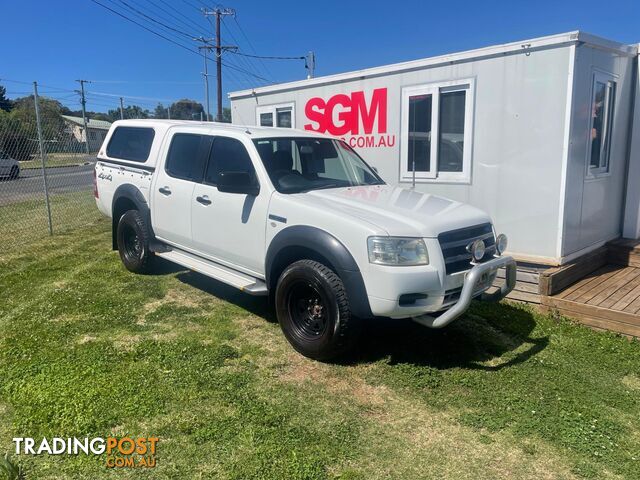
(330, 248)
(133, 194)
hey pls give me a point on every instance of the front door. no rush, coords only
(229, 227)
(605, 169)
(174, 184)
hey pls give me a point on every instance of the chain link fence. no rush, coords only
(46, 170)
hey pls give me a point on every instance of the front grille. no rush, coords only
(454, 246)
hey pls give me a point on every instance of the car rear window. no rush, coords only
(131, 143)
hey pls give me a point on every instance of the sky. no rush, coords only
(57, 42)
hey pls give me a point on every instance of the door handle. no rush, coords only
(204, 200)
(165, 191)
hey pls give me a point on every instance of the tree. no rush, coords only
(5, 103)
(160, 111)
(54, 130)
(99, 116)
(186, 109)
(130, 112)
(15, 139)
(226, 115)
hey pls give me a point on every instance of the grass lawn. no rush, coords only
(22, 222)
(55, 160)
(88, 349)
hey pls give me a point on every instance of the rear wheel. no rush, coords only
(133, 243)
(313, 310)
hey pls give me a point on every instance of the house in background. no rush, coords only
(97, 131)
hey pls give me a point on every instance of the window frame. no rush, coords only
(435, 89)
(273, 110)
(209, 159)
(610, 81)
(205, 160)
(128, 158)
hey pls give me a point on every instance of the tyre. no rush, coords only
(313, 310)
(15, 172)
(133, 243)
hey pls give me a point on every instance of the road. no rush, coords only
(60, 180)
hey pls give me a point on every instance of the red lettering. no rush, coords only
(314, 110)
(377, 108)
(345, 116)
(354, 109)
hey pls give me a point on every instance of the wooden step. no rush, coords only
(596, 317)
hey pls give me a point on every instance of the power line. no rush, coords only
(155, 21)
(229, 65)
(168, 82)
(246, 37)
(246, 61)
(146, 28)
(267, 57)
(200, 28)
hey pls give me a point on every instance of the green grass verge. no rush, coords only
(23, 222)
(88, 349)
(55, 160)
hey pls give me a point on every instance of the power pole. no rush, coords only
(204, 48)
(83, 101)
(310, 64)
(219, 13)
(121, 108)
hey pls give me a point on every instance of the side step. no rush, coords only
(246, 283)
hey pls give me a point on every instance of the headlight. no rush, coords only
(477, 249)
(397, 251)
(501, 243)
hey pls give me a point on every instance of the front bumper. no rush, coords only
(469, 290)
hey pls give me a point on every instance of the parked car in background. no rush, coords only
(9, 168)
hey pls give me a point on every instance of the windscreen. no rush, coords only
(299, 164)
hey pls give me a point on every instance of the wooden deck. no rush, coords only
(608, 299)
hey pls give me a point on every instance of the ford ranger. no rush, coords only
(300, 217)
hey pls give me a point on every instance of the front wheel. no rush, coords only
(133, 243)
(313, 310)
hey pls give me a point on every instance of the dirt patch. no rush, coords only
(301, 370)
(177, 296)
(86, 339)
(404, 437)
(631, 381)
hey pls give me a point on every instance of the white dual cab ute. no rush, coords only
(298, 216)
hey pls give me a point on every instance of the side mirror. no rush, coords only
(375, 169)
(238, 182)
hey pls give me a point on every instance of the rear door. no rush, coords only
(230, 227)
(185, 158)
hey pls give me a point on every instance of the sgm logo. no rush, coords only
(344, 115)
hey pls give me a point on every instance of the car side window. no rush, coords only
(187, 156)
(227, 155)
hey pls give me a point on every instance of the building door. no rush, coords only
(605, 165)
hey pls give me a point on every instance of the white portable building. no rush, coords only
(539, 133)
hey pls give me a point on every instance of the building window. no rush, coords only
(92, 134)
(602, 105)
(276, 115)
(437, 131)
